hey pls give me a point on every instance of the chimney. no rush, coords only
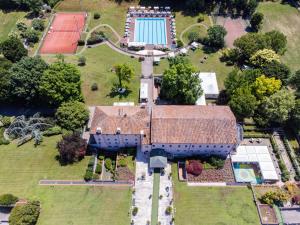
(118, 130)
(98, 130)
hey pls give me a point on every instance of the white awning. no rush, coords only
(171, 54)
(183, 51)
(209, 83)
(201, 100)
(156, 59)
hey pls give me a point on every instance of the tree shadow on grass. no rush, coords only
(209, 50)
(114, 92)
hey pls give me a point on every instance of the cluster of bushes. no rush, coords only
(55, 130)
(292, 157)
(97, 16)
(8, 200)
(110, 165)
(96, 37)
(285, 175)
(135, 211)
(274, 197)
(122, 162)
(26, 214)
(168, 210)
(89, 170)
(31, 34)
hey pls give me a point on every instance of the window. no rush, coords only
(207, 146)
(221, 146)
(178, 146)
(162, 145)
(170, 146)
(192, 146)
(186, 146)
(153, 146)
(228, 146)
(214, 146)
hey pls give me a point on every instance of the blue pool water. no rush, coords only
(150, 31)
(244, 174)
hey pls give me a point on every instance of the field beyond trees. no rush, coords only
(284, 18)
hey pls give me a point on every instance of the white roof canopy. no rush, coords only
(259, 155)
(201, 100)
(209, 83)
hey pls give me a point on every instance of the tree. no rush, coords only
(26, 214)
(194, 167)
(216, 36)
(124, 72)
(8, 199)
(38, 24)
(31, 36)
(181, 84)
(71, 148)
(33, 5)
(265, 86)
(263, 57)
(295, 80)
(193, 36)
(243, 103)
(274, 197)
(25, 77)
(176, 60)
(277, 41)
(249, 44)
(13, 49)
(278, 106)
(295, 118)
(277, 70)
(72, 115)
(61, 83)
(4, 85)
(256, 21)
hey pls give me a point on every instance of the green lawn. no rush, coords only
(286, 19)
(197, 28)
(155, 197)
(213, 205)
(22, 167)
(100, 61)
(212, 64)
(8, 22)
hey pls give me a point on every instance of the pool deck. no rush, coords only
(150, 47)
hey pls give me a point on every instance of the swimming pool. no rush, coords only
(150, 31)
(245, 173)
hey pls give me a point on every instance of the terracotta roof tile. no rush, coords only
(193, 124)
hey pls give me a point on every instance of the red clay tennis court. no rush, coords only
(64, 33)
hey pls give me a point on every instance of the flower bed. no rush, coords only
(215, 175)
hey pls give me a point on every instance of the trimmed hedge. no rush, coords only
(292, 157)
(52, 131)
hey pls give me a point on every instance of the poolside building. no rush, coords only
(178, 130)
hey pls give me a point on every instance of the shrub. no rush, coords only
(94, 87)
(38, 24)
(98, 169)
(122, 162)
(21, 26)
(200, 18)
(217, 162)
(95, 176)
(4, 141)
(8, 199)
(168, 210)
(101, 157)
(81, 61)
(27, 214)
(81, 42)
(193, 36)
(194, 167)
(97, 16)
(52, 131)
(274, 197)
(31, 36)
(108, 164)
(179, 44)
(88, 175)
(135, 211)
(6, 121)
(96, 37)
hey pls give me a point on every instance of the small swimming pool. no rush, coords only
(150, 31)
(245, 173)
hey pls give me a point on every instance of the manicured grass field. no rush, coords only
(8, 22)
(21, 169)
(213, 205)
(212, 64)
(286, 19)
(100, 61)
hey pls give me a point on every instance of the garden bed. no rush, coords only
(268, 214)
(224, 174)
(126, 165)
(109, 170)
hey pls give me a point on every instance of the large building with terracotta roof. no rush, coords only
(179, 130)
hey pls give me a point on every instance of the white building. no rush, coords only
(178, 130)
(209, 85)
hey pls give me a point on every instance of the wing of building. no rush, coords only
(179, 130)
